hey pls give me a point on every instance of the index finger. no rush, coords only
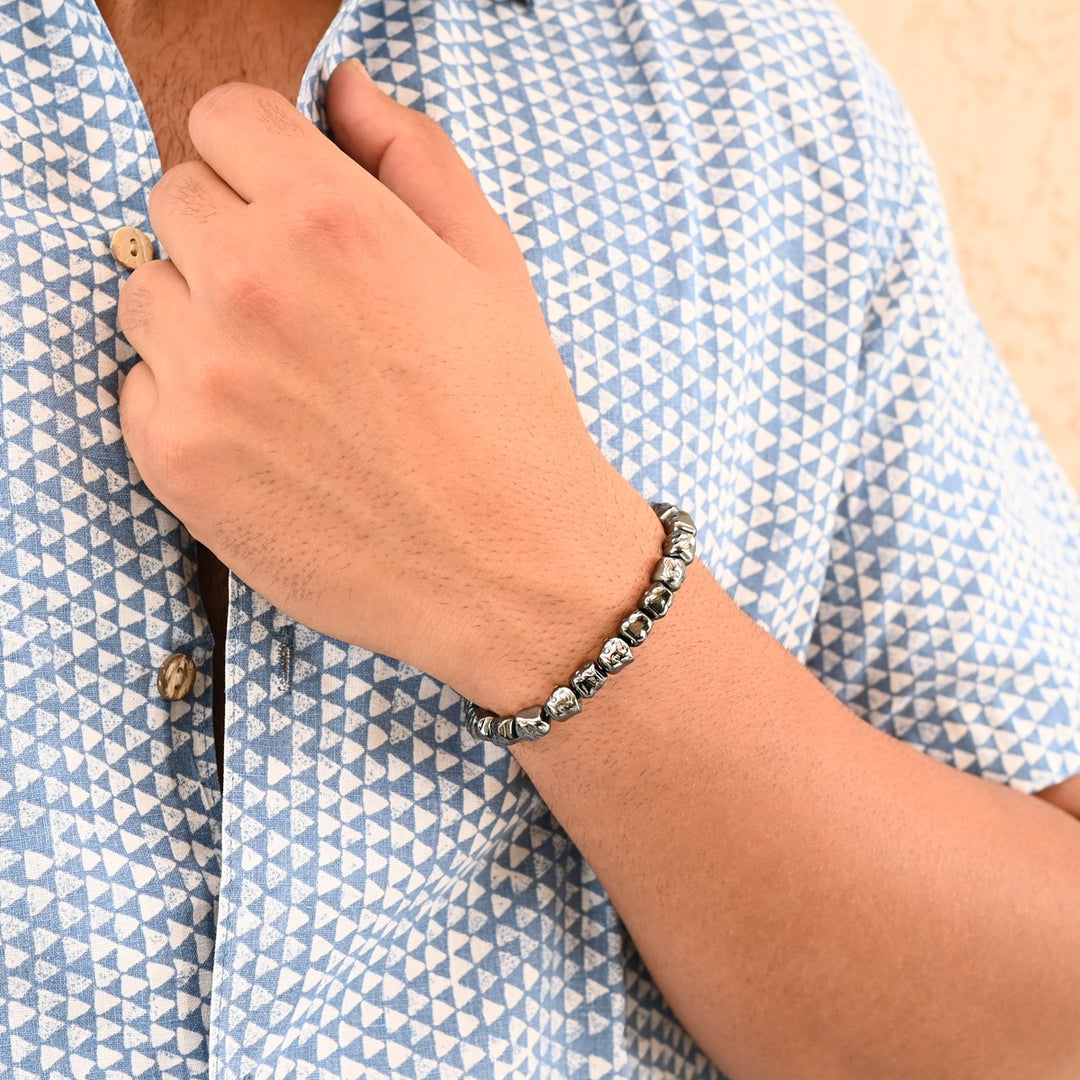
(259, 143)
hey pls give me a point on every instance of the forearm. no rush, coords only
(1065, 796)
(813, 898)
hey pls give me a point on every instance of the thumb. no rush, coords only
(408, 152)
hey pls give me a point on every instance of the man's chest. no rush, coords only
(174, 53)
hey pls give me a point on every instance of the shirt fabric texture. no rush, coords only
(740, 247)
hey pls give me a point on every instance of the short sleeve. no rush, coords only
(949, 611)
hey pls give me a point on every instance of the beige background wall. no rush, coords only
(994, 86)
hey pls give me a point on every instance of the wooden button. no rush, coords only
(176, 677)
(131, 246)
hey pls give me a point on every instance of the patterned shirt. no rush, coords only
(740, 248)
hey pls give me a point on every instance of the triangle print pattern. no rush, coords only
(742, 254)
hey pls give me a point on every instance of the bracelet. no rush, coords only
(680, 546)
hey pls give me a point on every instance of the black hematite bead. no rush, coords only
(670, 572)
(587, 679)
(681, 546)
(656, 601)
(481, 726)
(504, 731)
(679, 523)
(614, 654)
(530, 724)
(562, 704)
(635, 628)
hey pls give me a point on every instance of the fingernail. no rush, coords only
(355, 63)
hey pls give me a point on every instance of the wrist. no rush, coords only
(566, 609)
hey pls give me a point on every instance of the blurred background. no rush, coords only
(994, 86)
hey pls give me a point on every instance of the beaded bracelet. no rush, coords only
(668, 575)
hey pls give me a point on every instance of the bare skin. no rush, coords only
(1065, 796)
(175, 53)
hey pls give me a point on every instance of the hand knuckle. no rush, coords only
(166, 462)
(134, 307)
(175, 463)
(329, 214)
(207, 380)
(183, 189)
(249, 293)
(129, 399)
(131, 309)
(428, 127)
(275, 112)
(326, 218)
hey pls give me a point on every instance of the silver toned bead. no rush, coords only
(680, 523)
(562, 704)
(664, 511)
(478, 721)
(615, 654)
(635, 628)
(656, 601)
(587, 679)
(530, 725)
(681, 546)
(504, 731)
(670, 572)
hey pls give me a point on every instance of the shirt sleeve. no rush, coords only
(948, 616)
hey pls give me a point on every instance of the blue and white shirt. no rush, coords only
(741, 251)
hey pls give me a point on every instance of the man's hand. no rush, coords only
(348, 389)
